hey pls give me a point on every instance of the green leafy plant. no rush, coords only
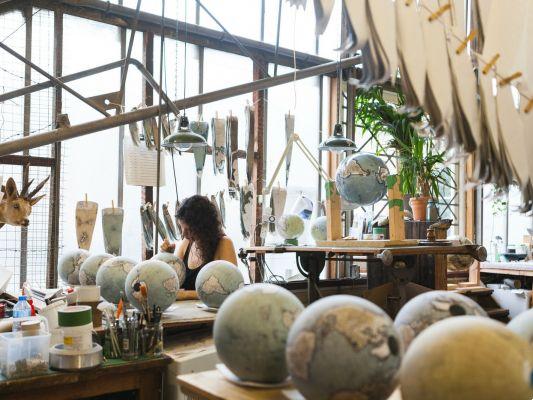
(421, 165)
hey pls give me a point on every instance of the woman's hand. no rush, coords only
(187, 295)
(167, 247)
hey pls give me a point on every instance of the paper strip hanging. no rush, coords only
(140, 165)
(85, 221)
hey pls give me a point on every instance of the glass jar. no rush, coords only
(152, 339)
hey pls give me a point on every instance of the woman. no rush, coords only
(203, 241)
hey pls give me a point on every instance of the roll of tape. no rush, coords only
(75, 316)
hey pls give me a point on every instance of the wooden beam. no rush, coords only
(34, 161)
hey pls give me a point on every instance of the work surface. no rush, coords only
(211, 385)
(187, 314)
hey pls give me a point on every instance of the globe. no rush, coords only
(427, 308)
(344, 347)
(90, 266)
(319, 229)
(175, 262)
(68, 266)
(361, 179)
(460, 262)
(216, 281)
(522, 325)
(467, 358)
(161, 282)
(251, 330)
(290, 226)
(111, 277)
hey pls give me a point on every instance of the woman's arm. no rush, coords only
(226, 251)
(182, 248)
(187, 295)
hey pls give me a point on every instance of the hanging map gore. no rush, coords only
(85, 222)
(232, 147)
(278, 198)
(289, 131)
(169, 224)
(178, 226)
(222, 206)
(246, 199)
(160, 227)
(112, 220)
(201, 128)
(218, 134)
(250, 139)
(147, 227)
(214, 201)
(134, 131)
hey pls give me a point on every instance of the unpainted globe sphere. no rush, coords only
(290, 226)
(344, 347)
(216, 281)
(319, 229)
(467, 358)
(427, 308)
(90, 267)
(175, 262)
(161, 283)
(111, 277)
(68, 266)
(460, 262)
(251, 329)
(522, 325)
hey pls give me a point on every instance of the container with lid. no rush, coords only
(76, 323)
(24, 355)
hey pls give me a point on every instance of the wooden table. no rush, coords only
(516, 268)
(211, 385)
(145, 377)
(186, 314)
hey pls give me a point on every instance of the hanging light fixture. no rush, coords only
(337, 142)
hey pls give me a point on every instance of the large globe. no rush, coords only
(467, 358)
(90, 267)
(361, 179)
(216, 281)
(427, 308)
(251, 330)
(319, 229)
(111, 277)
(344, 347)
(175, 262)
(460, 262)
(290, 226)
(161, 282)
(522, 325)
(69, 265)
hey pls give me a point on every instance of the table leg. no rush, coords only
(310, 265)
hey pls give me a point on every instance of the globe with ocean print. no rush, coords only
(111, 277)
(175, 262)
(69, 266)
(216, 281)
(161, 283)
(90, 267)
(319, 228)
(361, 179)
(290, 226)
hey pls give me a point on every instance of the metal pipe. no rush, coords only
(74, 131)
(52, 78)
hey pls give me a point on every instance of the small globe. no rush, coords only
(175, 262)
(361, 179)
(69, 265)
(90, 267)
(427, 308)
(466, 358)
(251, 330)
(522, 325)
(111, 277)
(319, 229)
(161, 283)
(290, 226)
(460, 262)
(216, 281)
(344, 347)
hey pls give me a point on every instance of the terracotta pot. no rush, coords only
(418, 205)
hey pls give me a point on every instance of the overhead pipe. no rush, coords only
(61, 134)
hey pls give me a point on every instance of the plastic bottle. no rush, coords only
(21, 312)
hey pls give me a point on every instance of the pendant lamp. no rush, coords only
(184, 139)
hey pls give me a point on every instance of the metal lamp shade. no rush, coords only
(184, 139)
(337, 142)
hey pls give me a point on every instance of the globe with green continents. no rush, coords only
(290, 226)
(344, 347)
(111, 277)
(427, 308)
(175, 262)
(467, 358)
(361, 179)
(69, 265)
(216, 281)
(251, 329)
(161, 283)
(522, 325)
(90, 267)
(319, 229)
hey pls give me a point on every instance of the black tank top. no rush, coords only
(190, 274)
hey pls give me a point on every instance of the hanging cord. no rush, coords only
(185, 57)
(294, 56)
(339, 77)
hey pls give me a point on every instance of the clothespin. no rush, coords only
(490, 64)
(439, 12)
(506, 81)
(529, 106)
(464, 43)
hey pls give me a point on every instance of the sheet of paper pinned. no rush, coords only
(246, 202)
(112, 220)
(85, 222)
(218, 136)
(323, 9)
(289, 131)
(140, 165)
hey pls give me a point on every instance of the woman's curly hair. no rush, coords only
(204, 223)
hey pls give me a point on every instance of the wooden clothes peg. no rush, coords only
(465, 42)
(490, 64)
(510, 78)
(529, 106)
(436, 15)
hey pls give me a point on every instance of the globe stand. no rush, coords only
(310, 265)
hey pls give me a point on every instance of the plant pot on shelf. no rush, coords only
(419, 205)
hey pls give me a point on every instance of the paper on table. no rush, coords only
(141, 165)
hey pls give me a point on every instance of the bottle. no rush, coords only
(21, 312)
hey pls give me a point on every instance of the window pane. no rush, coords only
(239, 17)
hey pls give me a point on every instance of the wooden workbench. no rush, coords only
(185, 314)
(144, 377)
(211, 385)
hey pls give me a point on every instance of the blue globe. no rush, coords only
(361, 179)
(216, 281)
